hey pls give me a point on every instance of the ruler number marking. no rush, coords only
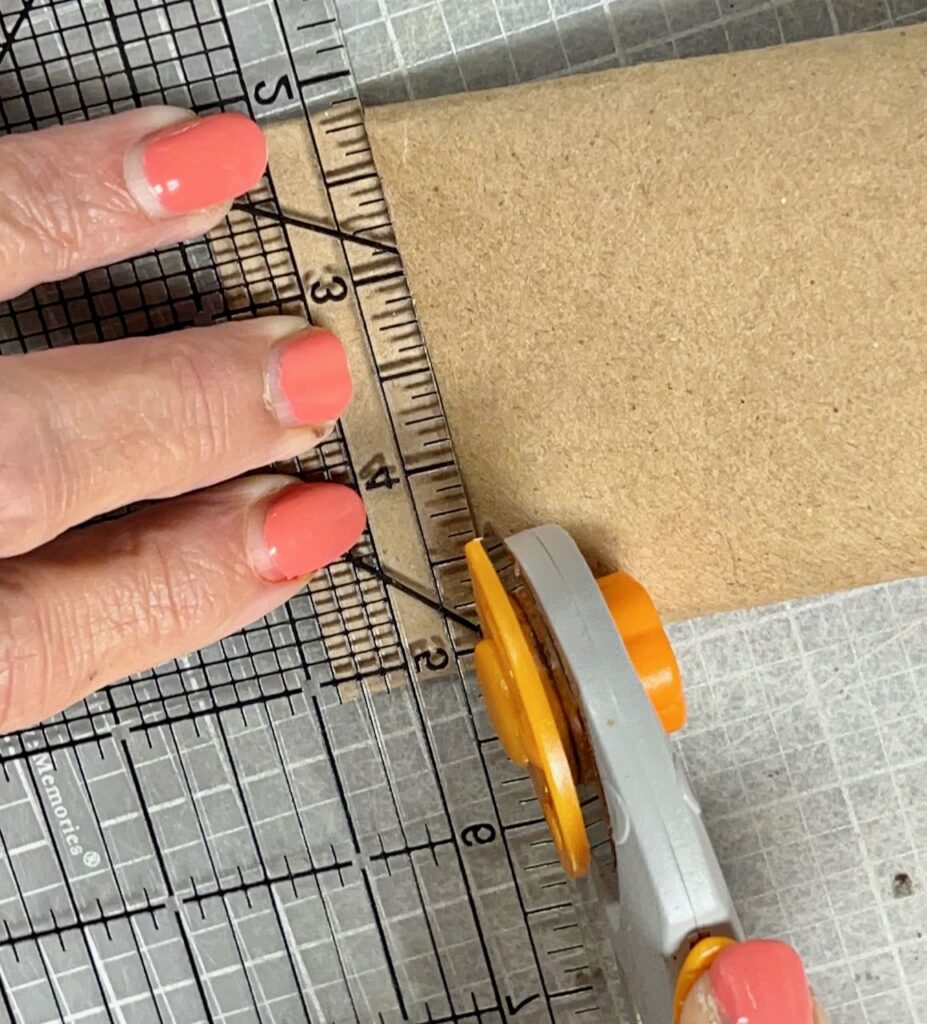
(379, 473)
(266, 97)
(327, 287)
(481, 834)
(513, 1008)
(432, 659)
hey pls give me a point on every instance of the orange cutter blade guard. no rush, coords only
(582, 687)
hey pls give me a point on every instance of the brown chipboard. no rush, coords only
(680, 309)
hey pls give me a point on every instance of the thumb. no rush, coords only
(755, 982)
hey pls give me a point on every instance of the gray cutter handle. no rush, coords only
(669, 886)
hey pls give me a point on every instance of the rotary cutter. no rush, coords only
(582, 688)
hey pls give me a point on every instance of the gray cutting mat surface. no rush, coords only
(414, 48)
(808, 743)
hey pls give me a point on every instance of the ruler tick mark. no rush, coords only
(346, 128)
(434, 467)
(331, 76)
(392, 275)
(399, 326)
(449, 512)
(424, 419)
(353, 179)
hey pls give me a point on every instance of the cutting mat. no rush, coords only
(312, 820)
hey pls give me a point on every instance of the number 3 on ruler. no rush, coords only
(327, 287)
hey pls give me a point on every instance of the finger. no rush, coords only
(116, 597)
(701, 1008)
(83, 195)
(756, 982)
(90, 428)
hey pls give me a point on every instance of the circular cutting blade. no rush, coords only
(526, 710)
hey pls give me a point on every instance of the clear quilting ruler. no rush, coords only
(311, 820)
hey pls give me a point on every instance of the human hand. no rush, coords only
(754, 982)
(85, 430)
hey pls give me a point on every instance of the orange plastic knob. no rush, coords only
(648, 647)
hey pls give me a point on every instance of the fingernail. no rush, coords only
(199, 163)
(308, 379)
(761, 982)
(306, 527)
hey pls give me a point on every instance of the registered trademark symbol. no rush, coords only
(91, 859)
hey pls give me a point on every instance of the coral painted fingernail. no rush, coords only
(308, 379)
(306, 527)
(761, 982)
(196, 164)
